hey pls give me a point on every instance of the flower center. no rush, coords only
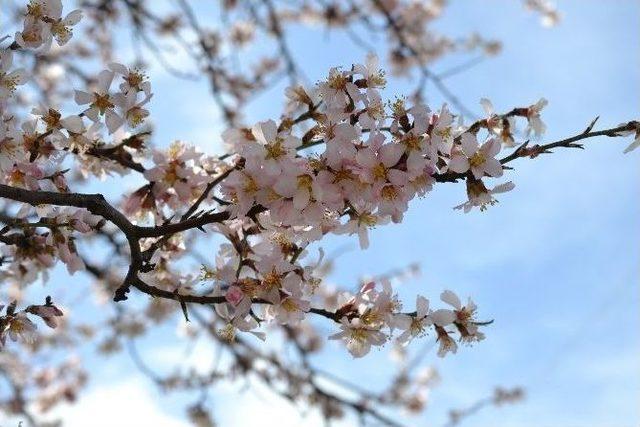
(228, 333)
(445, 132)
(337, 81)
(305, 181)
(342, 175)
(368, 219)
(136, 116)
(271, 280)
(275, 150)
(370, 317)
(377, 79)
(398, 108)
(477, 159)
(465, 315)
(31, 36)
(250, 186)
(389, 192)
(289, 305)
(34, 8)
(61, 31)
(417, 326)
(412, 142)
(10, 83)
(359, 334)
(102, 102)
(380, 171)
(249, 287)
(375, 110)
(134, 79)
(52, 119)
(171, 176)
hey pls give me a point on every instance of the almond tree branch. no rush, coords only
(525, 151)
(98, 205)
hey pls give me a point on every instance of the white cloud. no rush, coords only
(127, 403)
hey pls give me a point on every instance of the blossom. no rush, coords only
(414, 326)
(375, 165)
(44, 22)
(101, 102)
(61, 27)
(465, 317)
(176, 174)
(394, 201)
(270, 151)
(536, 125)
(359, 223)
(34, 34)
(300, 184)
(134, 80)
(338, 91)
(275, 275)
(292, 307)
(242, 33)
(499, 126)
(248, 324)
(358, 337)
(481, 160)
(371, 72)
(453, 300)
(442, 135)
(636, 142)
(297, 94)
(11, 148)
(446, 343)
(234, 295)
(242, 188)
(19, 326)
(47, 312)
(374, 113)
(9, 80)
(132, 108)
(549, 15)
(378, 308)
(479, 196)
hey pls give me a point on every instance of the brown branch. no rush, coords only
(525, 151)
(97, 205)
(535, 150)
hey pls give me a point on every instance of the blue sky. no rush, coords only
(555, 263)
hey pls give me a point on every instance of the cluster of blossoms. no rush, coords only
(34, 152)
(125, 105)
(177, 178)
(377, 157)
(44, 22)
(347, 162)
(341, 160)
(17, 324)
(34, 252)
(368, 311)
(370, 168)
(286, 290)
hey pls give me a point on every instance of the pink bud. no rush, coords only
(234, 295)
